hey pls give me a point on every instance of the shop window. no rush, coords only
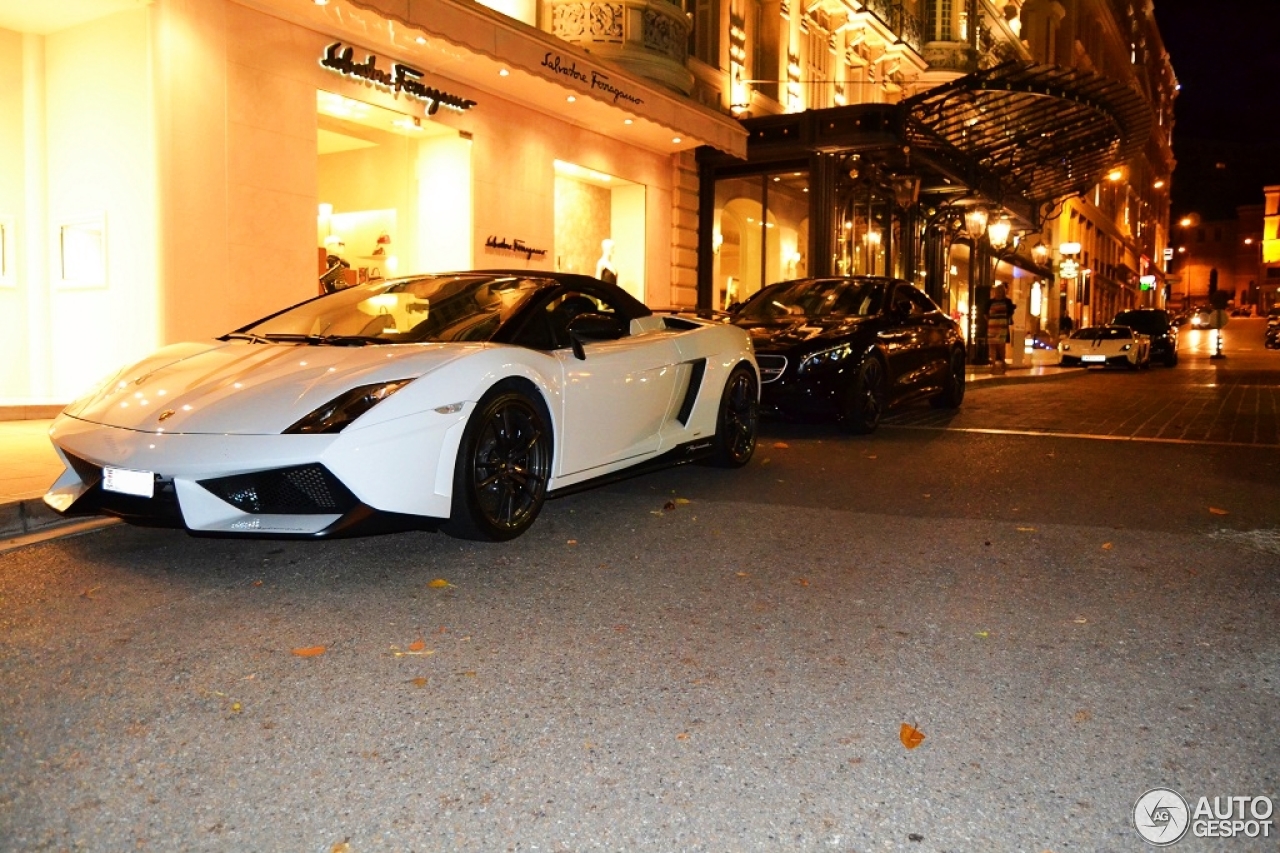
(394, 191)
(761, 234)
(82, 252)
(600, 226)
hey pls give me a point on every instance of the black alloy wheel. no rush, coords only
(864, 404)
(504, 465)
(737, 419)
(952, 393)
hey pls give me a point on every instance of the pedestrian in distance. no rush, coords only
(999, 318)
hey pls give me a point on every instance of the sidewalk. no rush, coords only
(28, 464)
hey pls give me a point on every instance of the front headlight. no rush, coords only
(1066, 347)
(334, 415)
(1126, 347)
(826, 356)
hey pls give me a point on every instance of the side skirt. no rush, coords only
(679, 455)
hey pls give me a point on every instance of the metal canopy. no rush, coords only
(1040, 133)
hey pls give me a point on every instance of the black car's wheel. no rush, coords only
(736, 422)
(865, 400)
(504, 464)
(1171, 358)
(952, 393)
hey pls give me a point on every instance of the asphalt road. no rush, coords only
(1073, 607)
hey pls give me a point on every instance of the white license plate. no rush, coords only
(126, 482)
(1093, 358)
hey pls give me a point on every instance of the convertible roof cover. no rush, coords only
(1042, 132)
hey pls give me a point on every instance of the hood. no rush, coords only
(234, 388)
(789, 334)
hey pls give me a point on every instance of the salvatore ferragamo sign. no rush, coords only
(401, 78)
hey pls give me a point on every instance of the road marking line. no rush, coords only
(1050, 433)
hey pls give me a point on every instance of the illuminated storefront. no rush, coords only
(181, 168)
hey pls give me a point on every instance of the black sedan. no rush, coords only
(852, 347)
(1156, 324)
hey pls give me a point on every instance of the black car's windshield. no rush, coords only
(1103, 333)
(1147, 322)
(815, 299)
(417, 310)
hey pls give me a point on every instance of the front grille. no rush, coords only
(302, 490)
(771, 367)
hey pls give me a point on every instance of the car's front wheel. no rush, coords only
(737, 420)
(503, 467)
(865, 400)
(952, 394)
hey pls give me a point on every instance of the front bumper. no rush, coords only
(379, 478)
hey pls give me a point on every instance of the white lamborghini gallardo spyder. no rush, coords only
(456, 401)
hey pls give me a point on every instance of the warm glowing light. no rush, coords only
(503, 72)
(626, 121)
(998, 232)
(571, 99)
(975, 221)
(1069, 248)
(1185, 222)
(676, 140)
(1158, 185)
(1115, 175)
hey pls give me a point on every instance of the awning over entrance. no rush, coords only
(1032, 134)
(473, 44)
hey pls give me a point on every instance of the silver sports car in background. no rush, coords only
(458, 401)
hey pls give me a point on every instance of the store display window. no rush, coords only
(600, 226)
(394, 191)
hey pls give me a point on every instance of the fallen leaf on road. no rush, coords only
(236, 707)
(257, 583)
(1026, 530)
(802, 581)
(439, 583)
(682, 736)
(417, 646)
(420, 681)
(781, 445)
(982, 634)
(871, 456)
(744, 574)
(572, 542)
(310, 651)
(1106, 546)
(88, 593)
(1084, 715)
(910, 736)
(1080, 620)
(1216, 511)
(340, 847)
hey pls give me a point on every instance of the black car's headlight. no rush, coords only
(334, 415)
(825, 357)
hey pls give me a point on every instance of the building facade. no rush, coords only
(178, 168)
(887, 136)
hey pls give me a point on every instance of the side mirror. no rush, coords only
(591, 326)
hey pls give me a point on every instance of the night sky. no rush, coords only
(1226, 135)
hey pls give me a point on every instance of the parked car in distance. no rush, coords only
(852, 347)
(1105, 346)
(1273, 316)
(457, 401)
(1156, 325)
(1271, 338)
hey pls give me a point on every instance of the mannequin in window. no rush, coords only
(605, 270)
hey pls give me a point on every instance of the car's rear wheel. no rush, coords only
(504, 465)
(737, 419)
(865, 400)
(1171, 358)
(952, 394)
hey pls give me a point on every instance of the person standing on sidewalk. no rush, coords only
(999, 318)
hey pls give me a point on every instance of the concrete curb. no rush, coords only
(26, 516)
(1017, 378)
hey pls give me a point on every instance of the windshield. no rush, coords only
(1103, 333)
(816, 299)
(429, 309)
(1143, 321)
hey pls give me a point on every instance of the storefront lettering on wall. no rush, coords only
(595, 79)
(500, 245)
(401, 78)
